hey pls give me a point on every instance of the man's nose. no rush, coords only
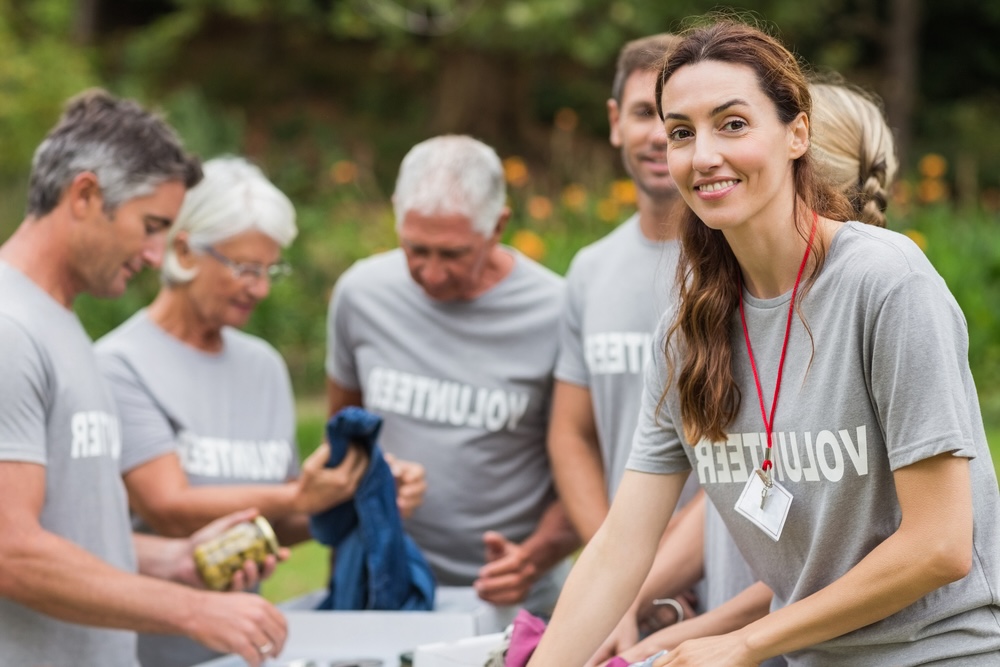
(433, 271)
(153, 249)
(658, 134)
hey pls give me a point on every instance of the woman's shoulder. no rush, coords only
(130, 337)
(246, 345)
(879, 262)
(865, 250)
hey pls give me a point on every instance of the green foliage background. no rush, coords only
(302, 85)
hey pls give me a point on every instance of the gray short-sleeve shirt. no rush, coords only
(883, 383)
(464, 389)
(616, 290)
(56, 411)
(229, 416)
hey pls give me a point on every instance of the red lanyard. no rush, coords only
(769, 423)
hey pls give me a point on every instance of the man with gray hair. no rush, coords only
(105, 185)
(450, 339)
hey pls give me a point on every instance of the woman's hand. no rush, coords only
(180, 553)
(729, 649)
(320, 487)
(625, 635)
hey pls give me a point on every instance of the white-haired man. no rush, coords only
(451, 338)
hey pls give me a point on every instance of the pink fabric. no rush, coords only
(524, 638)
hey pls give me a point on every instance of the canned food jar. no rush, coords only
(220, 558)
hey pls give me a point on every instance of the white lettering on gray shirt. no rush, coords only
(95, 433)
(444, 401)
(825, 456)
(617, 352)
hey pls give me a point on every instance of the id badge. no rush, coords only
(766, 511)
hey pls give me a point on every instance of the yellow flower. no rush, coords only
(623, 191)
(566, 119)
(529, 243)
(607, 210)
(931, 190)
(574, 197)
(539, 207)
(343, 172)
(918, 238)
(515, 171)
(932, 165)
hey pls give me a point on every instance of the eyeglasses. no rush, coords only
(250, 271)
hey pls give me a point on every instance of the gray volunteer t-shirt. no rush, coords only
(885, 385)
(464, 389)
(229, 416)
(57, 411)
(616, 290)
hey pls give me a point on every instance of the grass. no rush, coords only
(306, 570)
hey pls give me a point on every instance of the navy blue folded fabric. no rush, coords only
(376, 564)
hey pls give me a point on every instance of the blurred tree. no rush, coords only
(902, 65)
(327, 95)
(40, 67)
(487, 67)
(500, 69)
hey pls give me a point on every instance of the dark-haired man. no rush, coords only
(105, 185)
(617, 290)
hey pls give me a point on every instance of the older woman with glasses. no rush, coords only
(207, 411)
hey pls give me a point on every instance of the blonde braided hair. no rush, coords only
(853, 148)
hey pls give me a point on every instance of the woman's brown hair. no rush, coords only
(708, 274)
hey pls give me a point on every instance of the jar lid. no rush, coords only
(265, 529)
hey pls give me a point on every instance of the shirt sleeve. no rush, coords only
(147, 432)
(657, 446)
(921, 383)
(571, 364)
(23, 391)
(340, 363)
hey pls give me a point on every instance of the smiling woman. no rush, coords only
(878, 406)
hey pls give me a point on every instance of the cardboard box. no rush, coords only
(328, 636)
(469, 652)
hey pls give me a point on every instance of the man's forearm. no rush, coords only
(751, 604)
(680, 558)
(55, 577)
(575, 453)
(579, 476)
